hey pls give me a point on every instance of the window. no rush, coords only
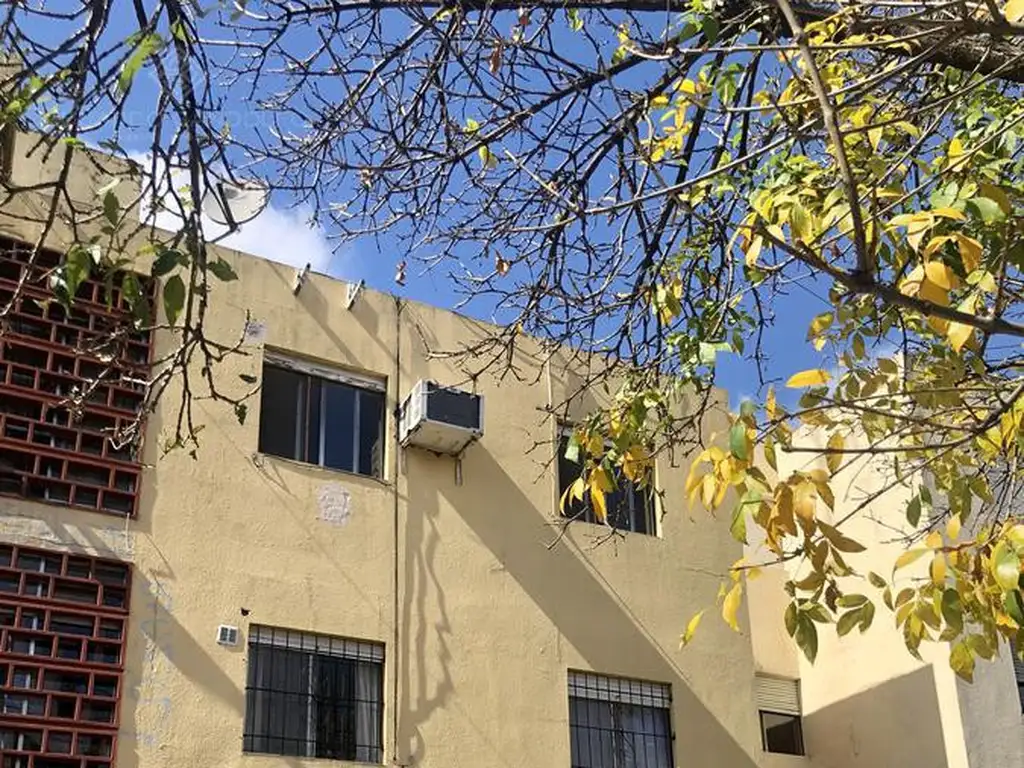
(313, 696)
(630, 507)
(63, 620)
(321, 416)
(48, 451)
(618, 723)
(778, 704)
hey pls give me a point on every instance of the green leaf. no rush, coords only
(222, 270)
(867, 615)
(572, 449)
(146, 47)
(575, 21)
(111, 207)
(851, 601)
(709, 26)
(738, 441)
(817, 613)
(747, 409)
(167, 261)
(174, 298)
(838, 540)
(1005, 566)
(807, 636)
(914, 511)
(987, 209)
(1013, 603)
(847, 622)
(738, 526)
(952, 610)
(961, 660)
(876, 580)
(790, 619)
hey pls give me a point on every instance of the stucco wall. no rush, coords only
(489, 616)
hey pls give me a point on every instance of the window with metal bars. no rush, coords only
(619, 723)
(48, 451)
(630, 506)
(322, 416)
(312, 695)
(62, 634)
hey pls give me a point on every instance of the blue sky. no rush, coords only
(283, 233)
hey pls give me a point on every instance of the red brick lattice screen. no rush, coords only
(63, 625)
(46, 452)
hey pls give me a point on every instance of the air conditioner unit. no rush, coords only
(441, 419)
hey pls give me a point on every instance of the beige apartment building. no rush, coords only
(369, 569)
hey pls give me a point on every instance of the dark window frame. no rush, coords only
(304, 398)
(798, 732)
(313, 696)
(640, 516)
(604, 712)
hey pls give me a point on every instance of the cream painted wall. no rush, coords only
(490, 616)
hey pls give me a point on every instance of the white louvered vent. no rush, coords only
(227, 635)
(777, 694)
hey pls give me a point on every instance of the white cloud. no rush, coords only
(284, 235)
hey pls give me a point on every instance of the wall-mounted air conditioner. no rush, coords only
(441, 419)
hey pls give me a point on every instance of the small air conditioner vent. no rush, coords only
(227, 635)
(441, 419)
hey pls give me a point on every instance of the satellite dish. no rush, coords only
(233, 204)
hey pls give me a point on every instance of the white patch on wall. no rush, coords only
(113, 540)
(255, 331)
(335, 503)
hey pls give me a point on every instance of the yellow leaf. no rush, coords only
(599, 504)
(731, 605)
(800, 223)
(754, 251)
(970, 251)
(1014, 11)
(949, 213)
(835, 458)
(959, 334)
(935, 244)
(809, 378)
(875, 137)
(907, 558)
(938, 273)
(956, 148)
(691, 629)
(937, 569)
(709, 488)
(933, 540)
(634, 463)
(770, 409)
(953, 528)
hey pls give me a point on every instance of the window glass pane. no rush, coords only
(282, 412)
(311, 704)
(568, 471)
(277, 701)
(339, 438)
(782, 733)
(316, 401)
(607, 734)
(371, 433)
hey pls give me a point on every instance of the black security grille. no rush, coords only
(314, 696)
(619, 723)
